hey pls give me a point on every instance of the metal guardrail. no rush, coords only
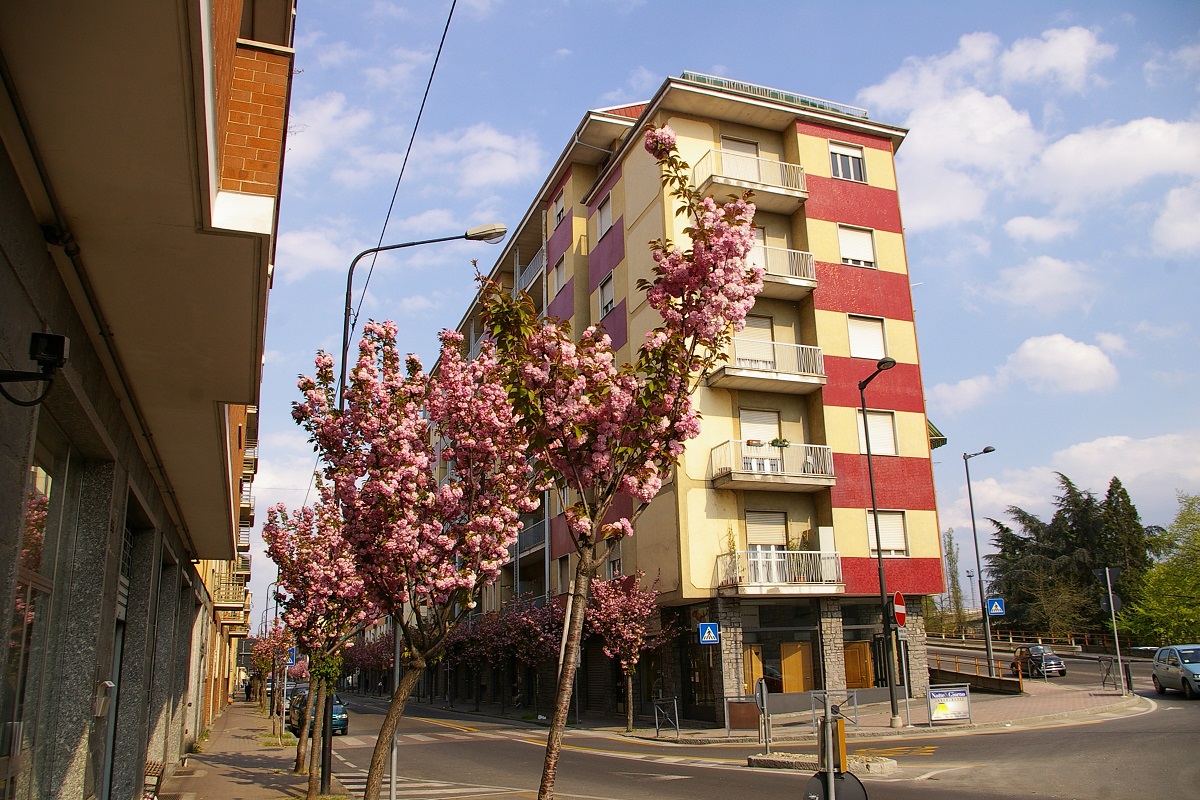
(778, 95)
(790, 359)
(782, 262)
(528, 273)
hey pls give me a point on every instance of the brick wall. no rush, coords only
(252, 146)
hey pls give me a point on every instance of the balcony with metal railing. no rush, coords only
(532, 536)
(250, 459)
(243, 538)
(760, 466)
(241, 566)
(779, 572)
(778, 186)
(528, 273)
(760, 366)
(787, 274)
(229, 593)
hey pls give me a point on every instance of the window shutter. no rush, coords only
(856, 245)
(891, 525)
(845, 150)
(883, 433)
(766, 527)
(754, 346)
(761, 425)
(866, 337)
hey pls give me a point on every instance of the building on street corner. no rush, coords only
(766, 526)
(139, 184)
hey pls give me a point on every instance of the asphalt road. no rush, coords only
(457, 754)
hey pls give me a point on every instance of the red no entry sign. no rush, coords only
(898, 609)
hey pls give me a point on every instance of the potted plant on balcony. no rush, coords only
(779, 442)
(754, 443)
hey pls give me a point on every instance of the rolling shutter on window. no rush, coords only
(766, 527)
(883, 433)
(891, 525)
(754, 346)
(856, 245)
(740, 159)
(866, 337)
(760, 425)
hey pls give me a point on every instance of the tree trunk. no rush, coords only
(566, 680)
(629, 701)
(314, 756)
(302, 734)
(383, 744)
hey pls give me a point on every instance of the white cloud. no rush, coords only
(1046, 285)
(562, 52)
(1112, 343)
(1154, 330)
(416, 304)
(1039, 229)
(382, 8)
(1177, 230)
(1057, 363)
(335, 54)
(1054, 363)
(303, 252)
(1099, 163)
(319, 125)
(920, 81)
(482, 156)
(934, 197)
(960, 396)
(640, 84)
(1185, 60)
(397, 76)
(1064, 56)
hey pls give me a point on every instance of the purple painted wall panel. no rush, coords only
(616, 324)
(559, 242)
(607, 253)
(563, 305)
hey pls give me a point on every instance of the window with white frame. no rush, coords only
(892, 534)
(846, 162)
(560, 274)
(766, 538)
(607, 300)
(866, 337)
(559, 208)
(857, 246)
(564, 574)
(614, 561)
(603, 217)
(882, 427)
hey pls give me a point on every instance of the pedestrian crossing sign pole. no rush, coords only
(710, 633)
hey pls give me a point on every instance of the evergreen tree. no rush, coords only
(953, 581)
(1168, 608)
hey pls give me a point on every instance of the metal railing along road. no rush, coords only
(790, 359)
(717, 163)
(778, 567)
(795, 460)
(965, 665)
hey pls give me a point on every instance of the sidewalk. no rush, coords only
(235, 764)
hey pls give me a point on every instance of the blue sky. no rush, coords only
(1050, 187)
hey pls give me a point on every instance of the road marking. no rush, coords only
(356, 784)
(896, 752)
(447, 724)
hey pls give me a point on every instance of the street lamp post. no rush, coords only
(987, 623)
(490, 233)
(484, 233)
(888, 650)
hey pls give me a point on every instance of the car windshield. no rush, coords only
(1190, 656)
(1041, 651)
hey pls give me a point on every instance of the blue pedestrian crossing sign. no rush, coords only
(995, 606)
(291, 657)
(710, 633)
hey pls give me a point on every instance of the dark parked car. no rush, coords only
(341, 718)
(1037, 661)
(1177, 666)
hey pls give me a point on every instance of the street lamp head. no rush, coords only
(887, 362)
(491, 233)
(988, 449)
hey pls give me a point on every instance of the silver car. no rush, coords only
(1177, 666)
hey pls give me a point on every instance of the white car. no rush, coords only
(1177, 666)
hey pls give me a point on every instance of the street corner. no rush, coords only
(858, 764)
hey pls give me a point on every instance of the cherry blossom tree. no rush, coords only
(597, 429)
(532, 633)
(622, 613)
(268, 654)
(424, 539)
(323, 599)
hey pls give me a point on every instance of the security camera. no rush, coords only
(49, 350)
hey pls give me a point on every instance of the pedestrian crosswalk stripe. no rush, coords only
(356, 784)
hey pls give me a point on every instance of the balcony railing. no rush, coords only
(784, 263)
(532, 535)
(779, 571)
(230, 592)
(243, 538)
(242, 565)
(756, 365)
(759, 465)
(250, 459)
(778, 186)
(527, 274)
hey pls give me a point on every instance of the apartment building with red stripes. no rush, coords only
(766, 527)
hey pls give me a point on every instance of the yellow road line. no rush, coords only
(444, 723)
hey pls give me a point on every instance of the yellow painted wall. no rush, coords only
(814, 157)
(912, 437)
(834, 335)
(823, 243)
(850, 533)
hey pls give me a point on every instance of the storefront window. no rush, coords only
(24, 664)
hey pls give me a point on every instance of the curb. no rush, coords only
(859, 765)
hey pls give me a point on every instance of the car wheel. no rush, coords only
(1158, 687)
(1188, 691)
